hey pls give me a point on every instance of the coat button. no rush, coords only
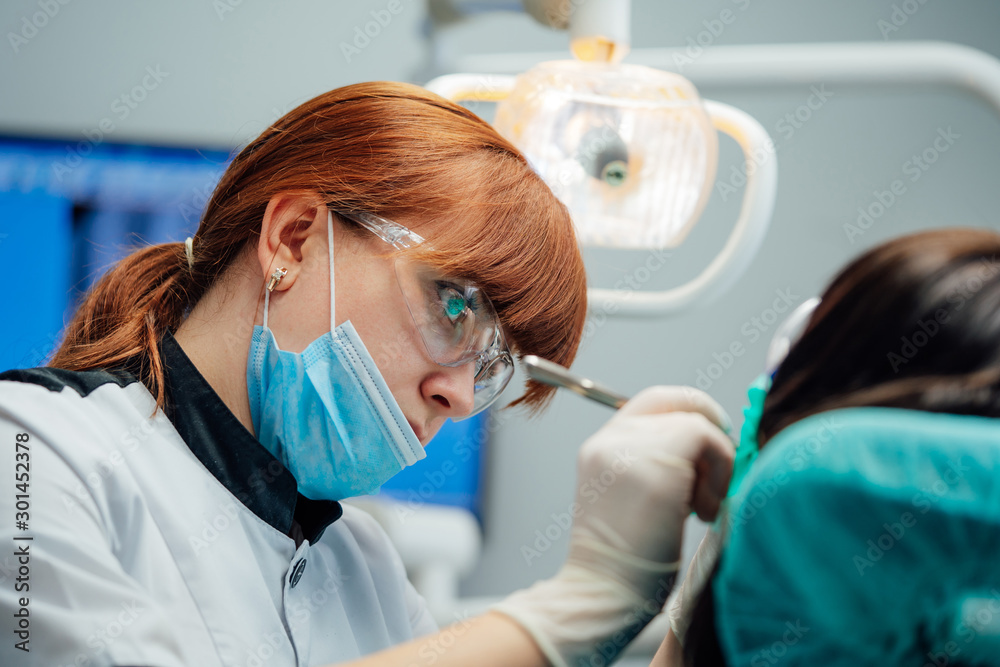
(297, 572)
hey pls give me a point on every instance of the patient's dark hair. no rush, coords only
(913, 323)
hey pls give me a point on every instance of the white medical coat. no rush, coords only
(177, 539)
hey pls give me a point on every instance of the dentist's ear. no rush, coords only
(290, 222)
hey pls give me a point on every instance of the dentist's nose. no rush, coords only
(449, 390)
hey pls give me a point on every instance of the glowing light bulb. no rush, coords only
(630, 150)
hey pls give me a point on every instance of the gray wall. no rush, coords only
(231, 73)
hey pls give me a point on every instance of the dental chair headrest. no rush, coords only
(866, 536)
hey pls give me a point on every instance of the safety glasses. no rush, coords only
(456, 320)
(788, 333)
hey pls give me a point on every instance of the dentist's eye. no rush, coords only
(453, 302)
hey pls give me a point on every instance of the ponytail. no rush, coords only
(126, 312)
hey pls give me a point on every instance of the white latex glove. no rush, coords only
(661, 455)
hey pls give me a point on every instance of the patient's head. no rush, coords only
(913, 323)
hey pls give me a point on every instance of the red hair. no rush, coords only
(392, 149)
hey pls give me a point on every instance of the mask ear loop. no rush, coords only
(267, 295)
(276, 277)
(333, 291)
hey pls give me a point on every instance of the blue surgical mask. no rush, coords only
(326, 413)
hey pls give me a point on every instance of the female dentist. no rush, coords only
(366, 268)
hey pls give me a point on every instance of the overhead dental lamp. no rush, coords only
(630, 150)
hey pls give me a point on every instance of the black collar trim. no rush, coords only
(234, 455)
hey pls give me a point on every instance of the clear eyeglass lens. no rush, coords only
(491, 380)
(455, 318)
(458, 325)
(788, 333)
(454, 311)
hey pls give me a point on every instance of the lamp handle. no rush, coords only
(761, 167)
(472, 87)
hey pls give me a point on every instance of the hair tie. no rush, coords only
(189, 251)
